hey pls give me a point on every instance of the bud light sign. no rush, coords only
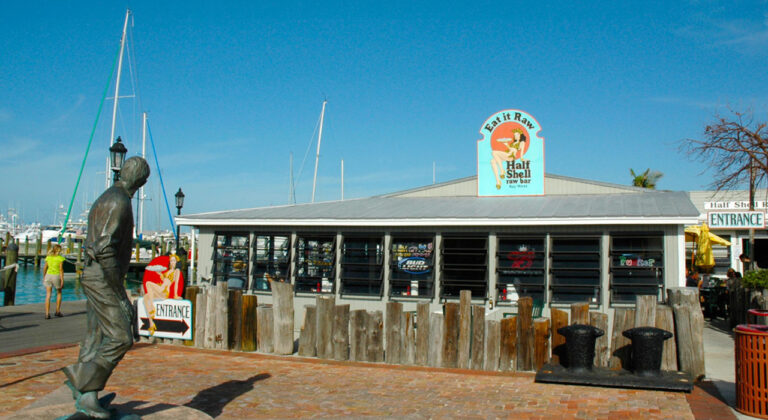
(413, 265)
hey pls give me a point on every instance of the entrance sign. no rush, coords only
(736, 220)
(510, 156)
(172, 319)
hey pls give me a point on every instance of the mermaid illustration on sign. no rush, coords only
(509, 142)
(162, 280)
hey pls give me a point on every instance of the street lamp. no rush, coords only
(116, 158)
(179, 205)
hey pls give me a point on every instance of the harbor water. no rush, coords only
(29, 287)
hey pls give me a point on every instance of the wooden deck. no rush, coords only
(24, 326)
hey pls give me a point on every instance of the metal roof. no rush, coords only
(652, 207)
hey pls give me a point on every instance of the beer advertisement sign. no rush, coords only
(510, 156)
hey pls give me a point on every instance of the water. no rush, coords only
(29, 287)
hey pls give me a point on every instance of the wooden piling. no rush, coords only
(265, 329)
(492, 336)
(621, 347)
(422, 334)
(324, 329)
(602, 352)
(665, 319)
(375, 350)
(450, 353)
(222, 336)
(541, 342)
(248, 323)
(580, 313)
(409, 339)
(525, 344)
(645, 311)
(465, 329)
(38, 249)
(436, 336)
(508, 344)
(190, 294)
(393, 328)
(559, 320)
(201, 305)
(9, 291)
(478, 337)
(308, 334)
(358, 323)
(341, 332)
(689, 330)
(282, 298)
(235, 319)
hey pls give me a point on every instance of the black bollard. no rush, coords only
(580, 346)
(647, 348)
(11, 256)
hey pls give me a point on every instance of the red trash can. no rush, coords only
(751, 356)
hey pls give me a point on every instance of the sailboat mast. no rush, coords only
(317, 156)
(143, 155)
(117, 91)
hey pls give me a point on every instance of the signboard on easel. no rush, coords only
(162, 312)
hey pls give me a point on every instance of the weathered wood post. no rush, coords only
(525, 344)
(249, 326)
(340, 332)
(465, 328)
(665, 319)
(559, 320)
(645, 311)
(541, 342)
(408, 356)
(393, 326)
(38, 249)
(308, 334)
(580, 313)
(508, 344)
(136, 252)
(282, 298)
(422, 334)
(436, 336)
(689, 330)
(235, 325)
(621, 347)
(222, 336)
(375, 350)
(26, 252)
(325, 308)
(9, 291)
(265, 329)
(450, 354)
(492, 336)
(478, 337)
(358, 321)
(69, 243)
(602, 352)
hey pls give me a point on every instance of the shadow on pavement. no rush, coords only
(19, 327)
(710, 388)
(132, 407)
(720, 324)
(6, 316)
(213, 400)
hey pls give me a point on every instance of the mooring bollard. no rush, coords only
(647, 347)
(9, 291)
(580, 346)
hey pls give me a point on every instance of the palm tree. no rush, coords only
(646, 179)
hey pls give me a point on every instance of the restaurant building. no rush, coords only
(509, 231)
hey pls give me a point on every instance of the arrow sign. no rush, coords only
(166, 325)
(172, 317)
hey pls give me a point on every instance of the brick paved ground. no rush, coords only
(242, 385)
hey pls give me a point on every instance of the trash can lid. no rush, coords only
(758, 312)
(753, 328)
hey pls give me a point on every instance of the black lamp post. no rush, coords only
(179, 205)
(116, 158)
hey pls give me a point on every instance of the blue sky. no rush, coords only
(232, 88)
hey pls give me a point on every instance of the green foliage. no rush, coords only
(646, 179)
(755, 279)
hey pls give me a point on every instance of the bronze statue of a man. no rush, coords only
(110, 315)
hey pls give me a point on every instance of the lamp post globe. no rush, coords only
(117, 157)
(179, 204)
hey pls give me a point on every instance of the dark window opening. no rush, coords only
(637, 267)
(464, 266)
(520, 264)
(315, 264)
(575, 268)
(271, 259)
(362, 266)
(230, 259)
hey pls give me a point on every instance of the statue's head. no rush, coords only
(134, 174)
